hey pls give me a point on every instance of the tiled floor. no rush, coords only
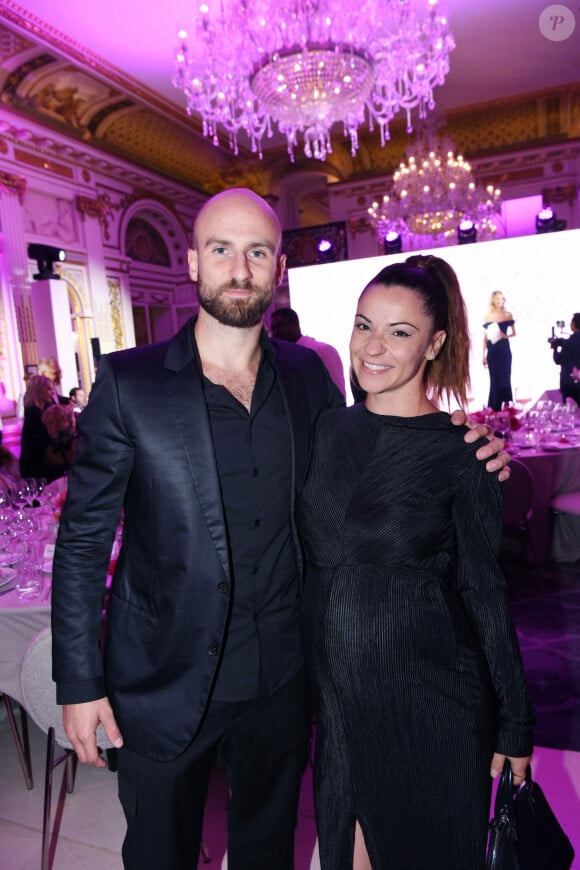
(92, 824)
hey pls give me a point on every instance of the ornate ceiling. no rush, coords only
(49, 77)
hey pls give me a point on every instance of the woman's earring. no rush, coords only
(430, 358)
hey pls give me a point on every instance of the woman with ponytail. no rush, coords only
(414, 661)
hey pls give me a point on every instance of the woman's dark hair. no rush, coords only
(436, 283)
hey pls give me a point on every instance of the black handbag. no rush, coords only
(524, 832)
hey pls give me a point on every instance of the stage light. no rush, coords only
(466, 233)
(45, 256)
(547, 222)
(393, 243)
(326, 252)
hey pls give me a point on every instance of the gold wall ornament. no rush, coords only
(359, 226)
(116, 312)
(13, 184)
(560, 193)
(100, 208)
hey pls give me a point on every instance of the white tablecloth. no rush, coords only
(20, 621)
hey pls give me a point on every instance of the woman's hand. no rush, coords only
(518, 765)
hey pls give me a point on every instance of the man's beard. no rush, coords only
(242, 313)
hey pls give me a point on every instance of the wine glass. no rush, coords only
(29, 583)
(502, 422)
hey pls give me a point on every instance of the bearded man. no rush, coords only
(203, 441)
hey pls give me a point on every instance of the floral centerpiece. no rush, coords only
(505, 421)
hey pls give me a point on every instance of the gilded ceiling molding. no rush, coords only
(42, 32)
(39, 145)
(14, 184)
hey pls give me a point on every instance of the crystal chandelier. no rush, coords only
(308, 64)
(431, 194)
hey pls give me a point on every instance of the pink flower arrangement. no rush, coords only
(57, 502)
(488, 415)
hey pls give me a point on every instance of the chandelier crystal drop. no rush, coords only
(431, 193)
(306, 65)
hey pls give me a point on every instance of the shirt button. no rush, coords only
(212, 650)
(255, 472)
(224, 587)
(256, 523)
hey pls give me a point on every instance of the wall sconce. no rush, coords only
(45, 256)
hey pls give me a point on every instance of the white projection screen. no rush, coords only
(539, 276)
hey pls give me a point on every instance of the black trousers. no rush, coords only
(262, 746)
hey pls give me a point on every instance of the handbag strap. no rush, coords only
(504, 798)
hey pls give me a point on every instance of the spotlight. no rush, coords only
(326, 252)
(466, 232)
(547, 222)
(45, 256)
(393, 243)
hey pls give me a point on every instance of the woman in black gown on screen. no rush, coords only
(499, 327)
(415, 665)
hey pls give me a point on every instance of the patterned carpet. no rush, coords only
(546, 609)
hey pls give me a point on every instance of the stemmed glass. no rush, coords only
(29, 583)
(502, 423)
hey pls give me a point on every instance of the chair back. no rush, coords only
(38, 690)
(567, 503)
(518, 496)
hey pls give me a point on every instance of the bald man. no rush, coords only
(204, 441)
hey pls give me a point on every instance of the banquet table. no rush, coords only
(553, 472)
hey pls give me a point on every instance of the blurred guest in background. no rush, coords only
(78, 399)
(59, 421)
(9, 468)
(35, 440)
(499, 327)
(285, 325)
(567, 356)
(50, 368)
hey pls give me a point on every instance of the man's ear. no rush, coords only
(280, 267)
(193, 263)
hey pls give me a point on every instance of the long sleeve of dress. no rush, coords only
(482, 589)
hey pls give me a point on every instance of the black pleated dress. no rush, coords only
(413, 658)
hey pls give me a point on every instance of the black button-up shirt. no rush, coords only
(253, 455)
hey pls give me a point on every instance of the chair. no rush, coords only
(21, 741)
(566, 542)
(517, 505)
(39, 698)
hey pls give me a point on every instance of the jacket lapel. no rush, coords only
(184, 390)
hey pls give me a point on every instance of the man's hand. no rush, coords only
(80, 723)
(493, 451)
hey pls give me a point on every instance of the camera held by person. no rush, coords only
(556, 341)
